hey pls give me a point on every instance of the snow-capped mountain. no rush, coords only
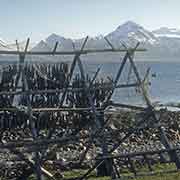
(169, 42)
(49, 43)
(41, 46)
(128, 31)
(132, 31)
(167, 32)
(3, 45)
(162, 42)
(64, 43)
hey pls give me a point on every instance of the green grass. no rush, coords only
(158, 168)
(174, 176)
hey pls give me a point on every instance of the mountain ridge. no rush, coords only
(162, 42)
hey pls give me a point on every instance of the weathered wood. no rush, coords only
(64, 109)
(134, 154)
(67, 85)
(110, 44)
(29, 112)
(88, 51)
(43, 142)
(127, 106)
(120, 72)
(86, 102)
(69, 89)
(55, 47)
(145, 119)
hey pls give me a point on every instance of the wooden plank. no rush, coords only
(63, 109)
(141, 153)
(127, 106)
(69, 89)
(88, 51)
(42, 142)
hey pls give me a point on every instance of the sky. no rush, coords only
(37, 19)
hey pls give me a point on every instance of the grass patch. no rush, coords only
(157, 168)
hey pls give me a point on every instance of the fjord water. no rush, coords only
(164, 78)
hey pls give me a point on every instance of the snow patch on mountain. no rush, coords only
(41, 46)
(50, 41)
(167, 32)
(162, 42)
(132, 31)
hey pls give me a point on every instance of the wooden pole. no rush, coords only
(88, 51)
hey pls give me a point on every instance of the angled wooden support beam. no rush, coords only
(116, 79)
(146, 75)
(124, 61)
(130, 54)
(84, 43)
(81, 68)
(17, 45)
(163, 138)
(74, 62)
(26, 47)
(67, 83)
(23, 54)
(145, 119)
(94, 77)
(29, 112)
(55, 47)
(119, 73)
(97, 116)
(73, 46)
(21, 62)
(123, 44)
(144, 93)
(110, 44)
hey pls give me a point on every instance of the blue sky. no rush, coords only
(37, 19)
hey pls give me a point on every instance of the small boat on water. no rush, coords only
(154, 75)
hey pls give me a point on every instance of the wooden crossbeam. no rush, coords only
(128, 106)
(141, 153)
(41, 142)
(64, 109)
(106, 87)
(88, 51)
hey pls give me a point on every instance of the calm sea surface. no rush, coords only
(164, 78)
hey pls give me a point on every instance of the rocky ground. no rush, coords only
(121, 122)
